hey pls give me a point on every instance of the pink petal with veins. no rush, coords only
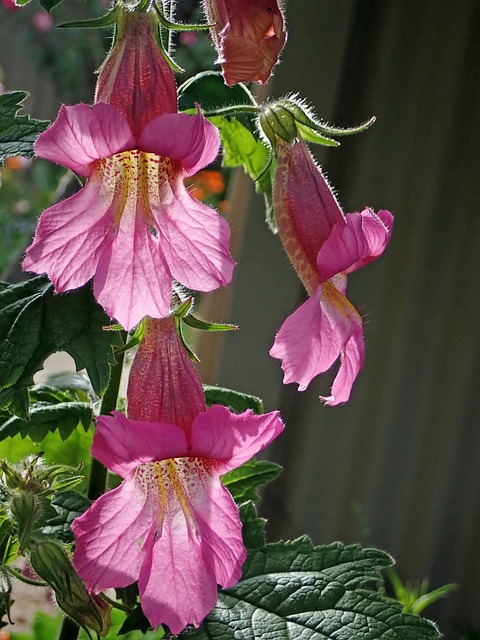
(351, 246)
(82, 134)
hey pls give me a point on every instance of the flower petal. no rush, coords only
(177, 585)
(232, 439)
(351, 246)
(110, 536)
(82, 134)
(195, 241)
(315, 335)
(198, 545)
(69, 237)
(191, 140)
(132, 278)
(122, 444)
(352, 358)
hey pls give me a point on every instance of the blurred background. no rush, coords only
(398, 466)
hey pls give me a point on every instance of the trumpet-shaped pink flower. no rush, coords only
(248, 35)
(171, 524)
(135, 76)
(133, 227)
(324, 246)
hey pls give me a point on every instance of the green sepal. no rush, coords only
(175, 26)
(313, 136)
(135, 339)
(106, 20)
(196, 323)
(192, 355)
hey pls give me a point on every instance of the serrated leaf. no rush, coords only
(17, 133)
(35, 322)
(296, 591)
(234, 400)
(243, 481)
(63, 417)
(68, 505)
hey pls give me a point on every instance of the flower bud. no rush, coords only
(248, 35)
(51, 562)
(291, 119)
(25, 509)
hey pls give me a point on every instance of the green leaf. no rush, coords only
(294, 590)
(234, 400)
(35, 322)
(48, 5)
(241, 147)
(243, 481)
(64, 417)
(17, 133)
(68, 505)
(253, 527)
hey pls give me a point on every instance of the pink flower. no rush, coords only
(133, 227)
(10, 5)
(171, 524)
(324, 246)
(248, 35)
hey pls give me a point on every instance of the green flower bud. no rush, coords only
(290, 119)
(51, 562)
(25, 509)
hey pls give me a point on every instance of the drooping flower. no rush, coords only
(133, 227)
(171, 524)
(248, 35)
(324, 245)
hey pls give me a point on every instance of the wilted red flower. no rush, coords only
(248, 35)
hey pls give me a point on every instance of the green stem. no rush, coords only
(98, 473)
(240, 108)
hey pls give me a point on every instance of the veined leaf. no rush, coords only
(244, 481)
(17, 133)
(68, 505)
(234, 400)
(297, 591)
(35, 322)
